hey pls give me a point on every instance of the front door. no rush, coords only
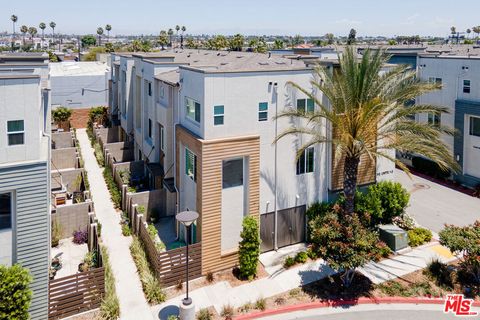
(472, 146)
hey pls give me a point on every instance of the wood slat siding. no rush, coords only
(77, 293)
(210, 154)
(366, 171)
(170, 266)
(29, 185)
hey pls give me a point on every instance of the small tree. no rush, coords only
(249, 248)
(15, 292)
(61, 115)
(465, 243)
(344, 242)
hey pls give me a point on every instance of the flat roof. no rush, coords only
(84, 68)
(19, 76)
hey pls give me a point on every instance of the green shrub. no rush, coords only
(97, 150)
(15, 292)
(56, 232)
(115, 193)
(318, 209)
(110, 307)
(311, 253)
(126, 231)
(289, 262)
(393, 289)
(99, 229)
(261, 304)
(204, 314)
(384, 250)
(151, 286)
(295, 292)
(439, 272)
(61, 114)
(301, 257)
(245, 308)
(227, 312)
(98, 114)
(249, 248)
(125, 176)
(173, 317)
(383, 201)
(141, 209)
(418, 236)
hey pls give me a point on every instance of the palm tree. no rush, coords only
(24, 30)
(468, 32)
(278, 44)
(99, 32)
(53, 25)
(369, 116)
(33, 32)
(163, 39)
(42, 26)
(476, 30)
(170, 34)
(108, 28)
(14, 19)
(184, 29)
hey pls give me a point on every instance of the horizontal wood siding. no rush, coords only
(210, 154)
(366, 171)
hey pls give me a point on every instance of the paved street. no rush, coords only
(371, 312)
(433, 205)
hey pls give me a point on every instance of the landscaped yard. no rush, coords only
(70, 255)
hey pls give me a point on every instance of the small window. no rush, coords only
(435, 80)
(162, 138)
(466, 86)
(150, 128)
(232, 173)
(124, 76)
(306, 162)
(15, 132)
(263, 111)
(192, 109)
(150, 89)
(475, 126)
(162, 91)
(218, 115)
(305, 103)
(190, 164)
(5, 211)
(434, 119)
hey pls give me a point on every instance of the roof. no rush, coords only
(170, 77)
(70, 68)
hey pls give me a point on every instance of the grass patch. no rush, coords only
(97, 150)
(151, 286)
(110, 307)
(115, 193)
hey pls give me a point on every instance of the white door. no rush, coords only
(472, 146)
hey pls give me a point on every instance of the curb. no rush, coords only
(338, 303)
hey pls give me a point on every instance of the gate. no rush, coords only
(291, 227)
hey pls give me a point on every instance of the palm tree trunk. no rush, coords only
(350, 173)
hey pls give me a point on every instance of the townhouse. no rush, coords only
(25, 170)
(459, 75)
(207, 118)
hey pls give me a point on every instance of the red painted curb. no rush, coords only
(337, 303)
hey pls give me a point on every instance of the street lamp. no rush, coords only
(187, 218)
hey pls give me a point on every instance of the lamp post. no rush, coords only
(187, 311)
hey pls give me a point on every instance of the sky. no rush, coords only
(249, 17)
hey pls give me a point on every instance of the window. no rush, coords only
(466, 86)
(192, 109)
(162, 91)
(150, 89)
(263, 111)
(15, 132)
(150, 128)
(162, 138)
(232, 173)
(434, 119)
(218, 114)
(305, 163)
(475, 126)
(308, 103)
(435, 80)
(5, 211)
(124, 76)
(190, 164)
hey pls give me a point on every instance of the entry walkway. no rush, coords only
(281, 280)
(133, 305)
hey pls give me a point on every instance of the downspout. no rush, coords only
(175, 123)
(275, 226)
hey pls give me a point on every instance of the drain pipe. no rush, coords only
(46, 128)
(175, 123)
(275, 227)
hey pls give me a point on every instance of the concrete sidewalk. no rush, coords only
(133, 305)
(281, 280)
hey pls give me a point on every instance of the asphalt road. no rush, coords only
(384, 315)
(433, 205)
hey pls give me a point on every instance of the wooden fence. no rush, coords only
(170, 266)
(84, 291)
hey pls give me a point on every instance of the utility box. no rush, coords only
(396, 238)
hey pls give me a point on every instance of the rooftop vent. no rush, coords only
(239, 57)
(224, 63)
(263, 63)
(280, 62)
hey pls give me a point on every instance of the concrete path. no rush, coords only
(433, 205)
(133, 305)
(281, 280)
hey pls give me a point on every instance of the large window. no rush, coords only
(15, 132)
(190, 164)
(306, 162)
(232, 173)
(263, 111)
(466, 86)
(434, 119)
(218, 115)
(192, 109)
(307, 105)
(5, 211)
(474, 126)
